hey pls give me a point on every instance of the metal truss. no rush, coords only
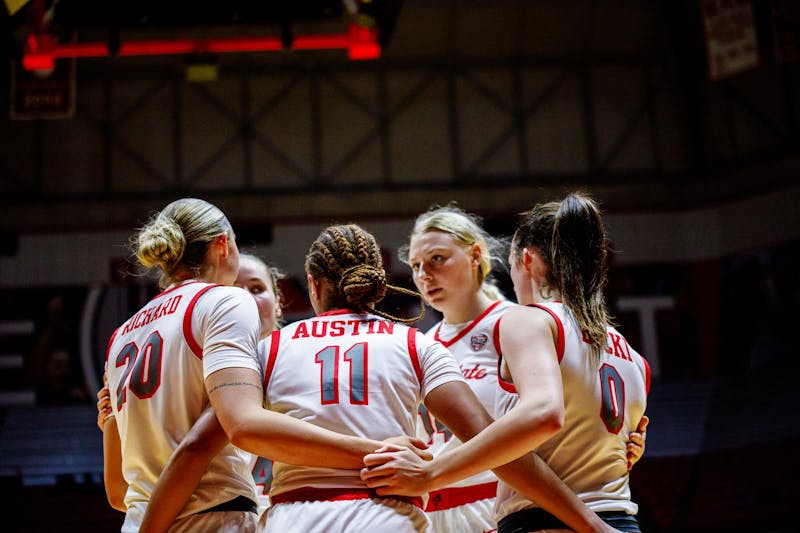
(378, 139)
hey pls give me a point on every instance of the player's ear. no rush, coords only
(528, 258)
(221, 241)
(313, 286)
(475, 253)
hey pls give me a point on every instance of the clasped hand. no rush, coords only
(399, 472)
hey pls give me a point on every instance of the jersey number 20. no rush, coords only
(143, 365)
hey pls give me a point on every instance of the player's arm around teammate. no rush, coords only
(503, 445)
(558, 265)
(206, 439)
(212, 330)
(541, 412)
(451, 258)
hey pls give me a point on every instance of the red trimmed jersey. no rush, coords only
(156, 363)
(356, 374)
(475, 347)
(603, 403)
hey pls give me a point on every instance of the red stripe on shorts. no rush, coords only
(313, 494)
(439, 500)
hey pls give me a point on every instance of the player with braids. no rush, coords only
(569, 353)
(352, 367)
(349, 254)
(355, 369)
(191, 346)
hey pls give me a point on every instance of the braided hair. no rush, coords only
(349, 257)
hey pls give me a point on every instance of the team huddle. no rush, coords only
(504, 416)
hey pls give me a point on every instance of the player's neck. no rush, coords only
(468, 310)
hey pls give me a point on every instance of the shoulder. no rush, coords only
(505, 305)
(521, 315)
(213, 292)
(222, 298)
(498, 310)
(420, 337)
(523, 325)
(422, 341)
(227, 290)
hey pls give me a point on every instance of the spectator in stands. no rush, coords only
(52, 367)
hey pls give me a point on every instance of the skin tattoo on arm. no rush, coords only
(233, 384)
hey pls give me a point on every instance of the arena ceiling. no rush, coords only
(628, 78)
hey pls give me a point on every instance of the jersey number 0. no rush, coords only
(612, 406)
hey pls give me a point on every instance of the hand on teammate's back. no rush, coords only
(636, 442)
(103, 406)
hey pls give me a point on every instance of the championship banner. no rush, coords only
(731, 40)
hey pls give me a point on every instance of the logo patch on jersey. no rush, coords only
(478, 341)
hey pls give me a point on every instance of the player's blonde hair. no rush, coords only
(466, 230)
(179, 236)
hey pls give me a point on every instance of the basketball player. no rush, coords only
(201, 328)
(206, 437)
(558, 266)
(451, 258)
(261, 281)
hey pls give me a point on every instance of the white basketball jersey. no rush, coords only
(262, 466)
(474, 346)
(603, 404)
(156, 363)
(357, 374)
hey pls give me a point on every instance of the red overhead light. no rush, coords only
(41, 50)
(363, 43)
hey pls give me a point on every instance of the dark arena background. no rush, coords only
(679, 116)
